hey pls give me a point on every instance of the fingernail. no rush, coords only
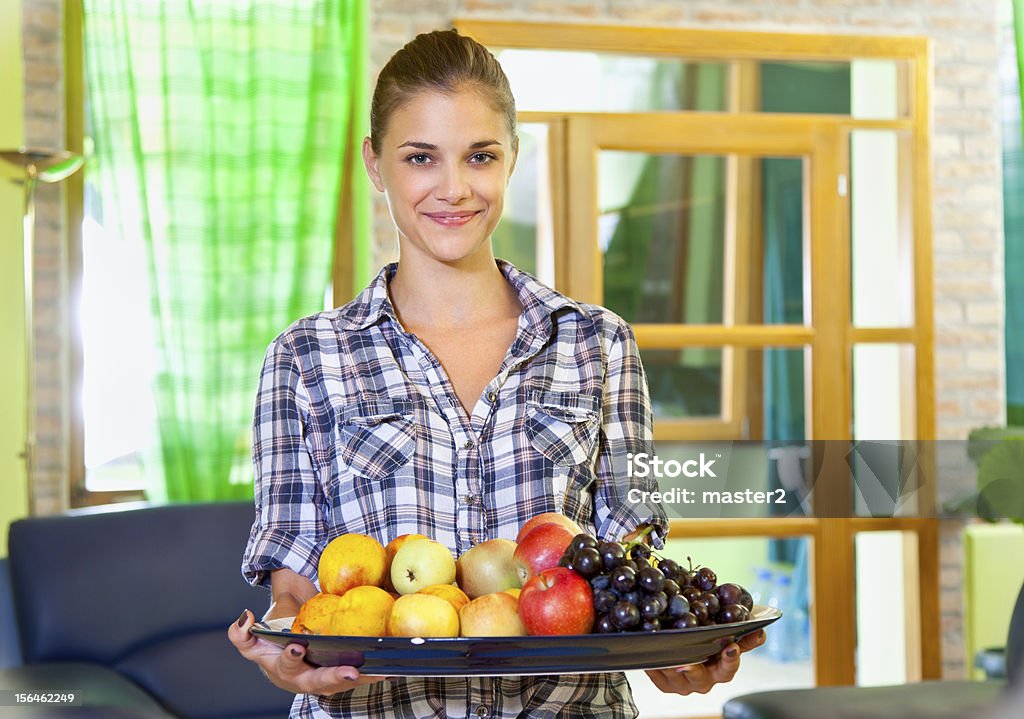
(295, 651)
(241, 619)
(732, 653)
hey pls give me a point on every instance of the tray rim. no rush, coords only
(771, 615)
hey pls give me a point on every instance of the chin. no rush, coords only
(455, 253)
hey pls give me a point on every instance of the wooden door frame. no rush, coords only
(824, 140)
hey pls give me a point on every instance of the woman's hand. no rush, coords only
(701, 677)
(286, 669)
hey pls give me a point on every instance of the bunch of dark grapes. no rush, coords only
(636, 590)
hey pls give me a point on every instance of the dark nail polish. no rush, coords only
(241, 619)
(732, 653)
(295, 651)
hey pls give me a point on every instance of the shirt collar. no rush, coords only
(539, 301)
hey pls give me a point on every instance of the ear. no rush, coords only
(515, 156)
(372, 164)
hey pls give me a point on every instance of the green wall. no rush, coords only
(13, 489)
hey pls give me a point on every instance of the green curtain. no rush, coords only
(220, 131)
(1013, 216)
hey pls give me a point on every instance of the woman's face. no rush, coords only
(444, 164)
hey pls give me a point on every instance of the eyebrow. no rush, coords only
(427, 146)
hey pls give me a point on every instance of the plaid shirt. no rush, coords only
(358, 429)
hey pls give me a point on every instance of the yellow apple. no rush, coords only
(423, 615)
(487, 568)
(448, 592)
(360, 612)
(316, 614)
(391, 549)
(492, 615)
(420, 563)
(351, 560)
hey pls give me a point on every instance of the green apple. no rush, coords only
(421, 563)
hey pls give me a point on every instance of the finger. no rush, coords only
(699, 677)
(727, 664)
(241, 637)
(753, 641)
(661, 680)
(317, 680)
(290, 663)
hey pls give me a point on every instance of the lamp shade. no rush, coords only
(50, 165)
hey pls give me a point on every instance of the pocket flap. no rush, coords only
(371, 412)
(566, 406)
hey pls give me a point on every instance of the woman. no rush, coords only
(455, 397)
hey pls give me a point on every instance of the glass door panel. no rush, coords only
(756, 393)
(661, 230)
(881, 229)
(703, 239)
(887, 636)
(883, 392)
(583, 81)
(525, 235)
(860, 88)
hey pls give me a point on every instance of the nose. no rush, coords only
(454, 185)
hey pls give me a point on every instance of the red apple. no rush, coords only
(548, 517)
(557, 601)
(540, 549)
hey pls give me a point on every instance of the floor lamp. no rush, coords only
(46, 166)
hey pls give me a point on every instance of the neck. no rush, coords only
(454, 295)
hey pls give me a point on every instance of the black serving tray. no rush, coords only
(497, 656)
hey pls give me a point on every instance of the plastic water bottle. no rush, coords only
(781, 637)
(762, 587)
(799, 625)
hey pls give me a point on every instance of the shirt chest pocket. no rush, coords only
(562, 426)
(377, 437)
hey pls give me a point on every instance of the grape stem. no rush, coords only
(639, 539)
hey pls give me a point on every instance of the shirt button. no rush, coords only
(468, 444)
(481, 711)
(491, 396)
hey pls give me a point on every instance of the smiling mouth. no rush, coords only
(451, 219)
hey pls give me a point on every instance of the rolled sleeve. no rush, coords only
(626, 430)
(290, 529)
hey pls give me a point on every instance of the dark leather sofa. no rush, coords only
(921, 700)
(130, 609)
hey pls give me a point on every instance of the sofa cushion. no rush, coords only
(202, 676)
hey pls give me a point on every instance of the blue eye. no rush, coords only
(482, 158)
(418, 159)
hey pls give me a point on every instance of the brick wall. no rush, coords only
(43, 48)
(967, 202)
